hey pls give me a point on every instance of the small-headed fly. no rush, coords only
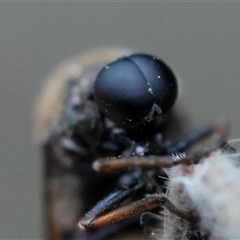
(116, 106)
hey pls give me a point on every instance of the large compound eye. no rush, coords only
(135, 89)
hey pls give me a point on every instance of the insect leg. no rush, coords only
(219, 128)
(113, 164)
(91, 219)
(143, 205)
(105, 232)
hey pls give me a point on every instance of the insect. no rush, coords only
(104, 104)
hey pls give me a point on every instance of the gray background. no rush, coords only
(200, 41)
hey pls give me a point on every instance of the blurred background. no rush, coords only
(200, 41)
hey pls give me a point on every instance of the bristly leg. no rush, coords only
(91, 219)
(143, 205)
(105, 212)
(153, 161)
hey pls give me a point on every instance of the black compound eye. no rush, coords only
(135, 89)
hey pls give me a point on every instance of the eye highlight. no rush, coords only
(135, 89)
